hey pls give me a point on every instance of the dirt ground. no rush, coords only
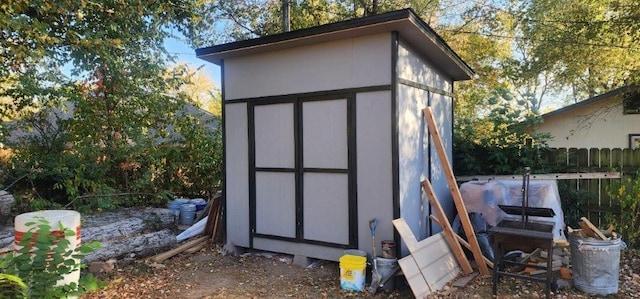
(211, 274)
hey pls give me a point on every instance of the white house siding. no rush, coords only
(237, 174)
(416, 163)
(600, 125)
(348, 63)
(442, 107)
(375, 172)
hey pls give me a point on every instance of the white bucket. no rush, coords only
(68, 219)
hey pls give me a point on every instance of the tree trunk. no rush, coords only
(141, 245)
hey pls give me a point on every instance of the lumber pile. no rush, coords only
(212, 232)
(439, 259)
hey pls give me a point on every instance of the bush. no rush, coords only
(626, 194)
(44, 258)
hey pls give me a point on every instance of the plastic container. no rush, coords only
(65, 218)
(387, 268)
(595, 264)
(356, 252)
(174, 206)
(187, 213)
(352, 272)
(199, 202)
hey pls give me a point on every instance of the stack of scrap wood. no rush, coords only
(560, 262)
(588, 230)
(212, 231)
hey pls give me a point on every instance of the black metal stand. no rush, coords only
(518, 237)
(523, 234)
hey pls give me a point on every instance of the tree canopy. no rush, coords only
(98, 107)
(103, 100)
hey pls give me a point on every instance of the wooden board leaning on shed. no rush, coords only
(455, 192)
(431, 264)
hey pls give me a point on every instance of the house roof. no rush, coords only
(625, 93)
(411, 28)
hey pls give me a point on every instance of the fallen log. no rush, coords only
(141, 245)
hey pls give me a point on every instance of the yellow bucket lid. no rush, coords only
(353, 259)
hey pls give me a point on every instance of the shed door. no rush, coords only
(301, 172)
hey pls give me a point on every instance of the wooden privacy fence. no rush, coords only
(587, 195)
(590, 196)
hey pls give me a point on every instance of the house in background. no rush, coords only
(610, 120)
(323, 131)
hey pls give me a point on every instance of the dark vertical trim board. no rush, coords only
(352, 170)
(429, 149)
(224, 156)
(252, 171)
(299, 164)
(395, 132)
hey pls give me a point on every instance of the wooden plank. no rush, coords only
(437, 263)
(548, 176)
(594, 228)
(406, 234)
(414, 277)
(463, 242)
(446, 227)
(431, 264)
(464, 281)
(453, 187)
(159, 258)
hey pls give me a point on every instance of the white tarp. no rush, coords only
(484, 198)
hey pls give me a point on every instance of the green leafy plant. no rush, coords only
(44, 257)
(626, 194)
(12, 286)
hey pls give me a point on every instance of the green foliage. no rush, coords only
(44, 258)
(626, 195)
(499, 143)
(11, 286)
(98, 137)
(573, 202)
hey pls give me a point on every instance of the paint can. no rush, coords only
(388, 249)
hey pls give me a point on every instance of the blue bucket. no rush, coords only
(174, 206)
(187, 213)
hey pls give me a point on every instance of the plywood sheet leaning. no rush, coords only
(431, 264)
(455, 192)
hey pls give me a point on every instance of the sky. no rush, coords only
(187, 54)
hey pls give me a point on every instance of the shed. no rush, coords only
(323, 131)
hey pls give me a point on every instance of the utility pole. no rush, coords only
(286, 19)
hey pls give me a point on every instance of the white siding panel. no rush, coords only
(418, 69)
(442, 107)
(324, 133)
(347, 63)
(375, 174)
(413, 155)
(326, 207)
(275, 204)
(274, 141)
(237, 174)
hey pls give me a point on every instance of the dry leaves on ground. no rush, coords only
(211, 274)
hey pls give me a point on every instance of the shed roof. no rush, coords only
(411, 28)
